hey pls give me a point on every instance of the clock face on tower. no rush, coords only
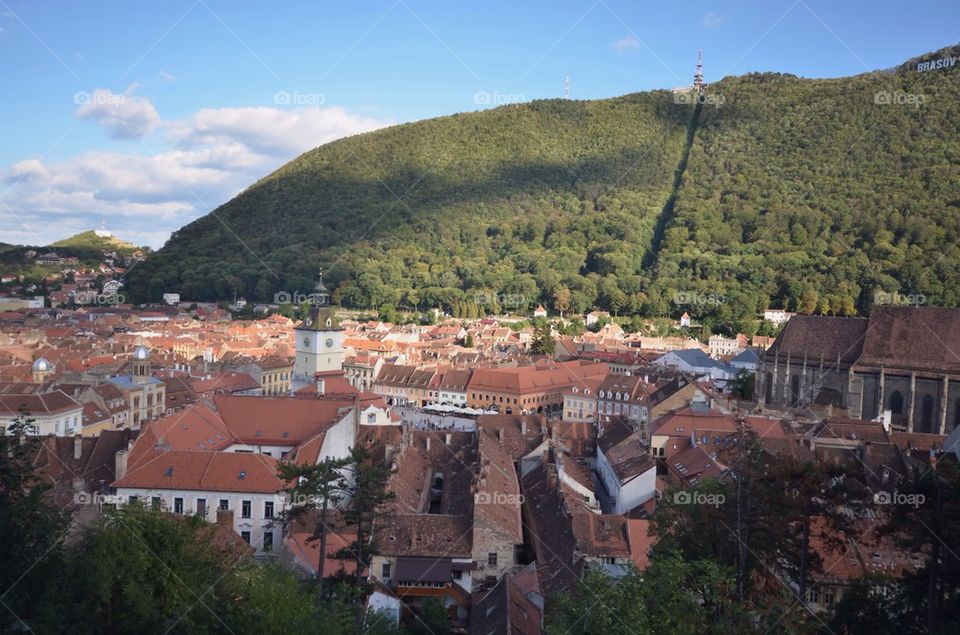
(306, 342)
(329, 343)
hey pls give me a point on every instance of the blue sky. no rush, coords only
(145, 116)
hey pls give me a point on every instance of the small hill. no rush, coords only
(90, 240)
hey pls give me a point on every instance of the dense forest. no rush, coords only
(811, 195)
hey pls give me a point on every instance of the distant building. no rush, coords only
(721, 346)
(52, 413)
(694, 360)
(685, 320)
(171, 298)
(595, 316)
(777, 316)
(144, 393)
(540, 312)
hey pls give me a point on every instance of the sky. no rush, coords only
(143, 116)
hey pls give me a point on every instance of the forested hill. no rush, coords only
(781, 191)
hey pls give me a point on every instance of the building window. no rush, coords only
(132, 499)
(246, 536)
(492, 559)
(926, 413)
(245, 509)
(268, 541)
(224, 504)
(202, 507)
(268, 509)
(178, 505)
(896, 403)
(155, 502)
(385, 571)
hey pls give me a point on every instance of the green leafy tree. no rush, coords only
(31, 557)
(314, 488)
(543, 342)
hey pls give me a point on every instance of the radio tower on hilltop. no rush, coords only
(698, 84)
(566, 88)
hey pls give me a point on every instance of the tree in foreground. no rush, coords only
(30, 553)
(314, 488)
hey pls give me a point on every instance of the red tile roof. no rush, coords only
(205, 471)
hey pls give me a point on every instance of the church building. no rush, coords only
(902, 360)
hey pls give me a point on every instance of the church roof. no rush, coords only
(820, 336)
(914, 338)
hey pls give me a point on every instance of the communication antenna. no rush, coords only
(698, 75)
(566, 88)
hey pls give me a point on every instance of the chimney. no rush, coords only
(523, 426)
(320, 386)
(120, 467)
(428, 443)
(77, 447)
(447, 438)
(500, 435)
(551, 476)
(225, 518)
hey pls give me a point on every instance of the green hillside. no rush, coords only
(90, 240)
(778, 191)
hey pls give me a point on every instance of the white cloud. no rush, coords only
(713, 20)
(2, 31)
(167, 77)
(212, 156)
(269, 130)
(625, 43)
(125, 116)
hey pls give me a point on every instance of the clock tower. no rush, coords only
(319, 340)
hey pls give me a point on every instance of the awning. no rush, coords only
(415, 570)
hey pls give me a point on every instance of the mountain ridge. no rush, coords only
(603, 199)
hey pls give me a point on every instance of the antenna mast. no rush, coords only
(566, 88)
(698, 75)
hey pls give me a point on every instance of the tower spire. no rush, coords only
(320, 294)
